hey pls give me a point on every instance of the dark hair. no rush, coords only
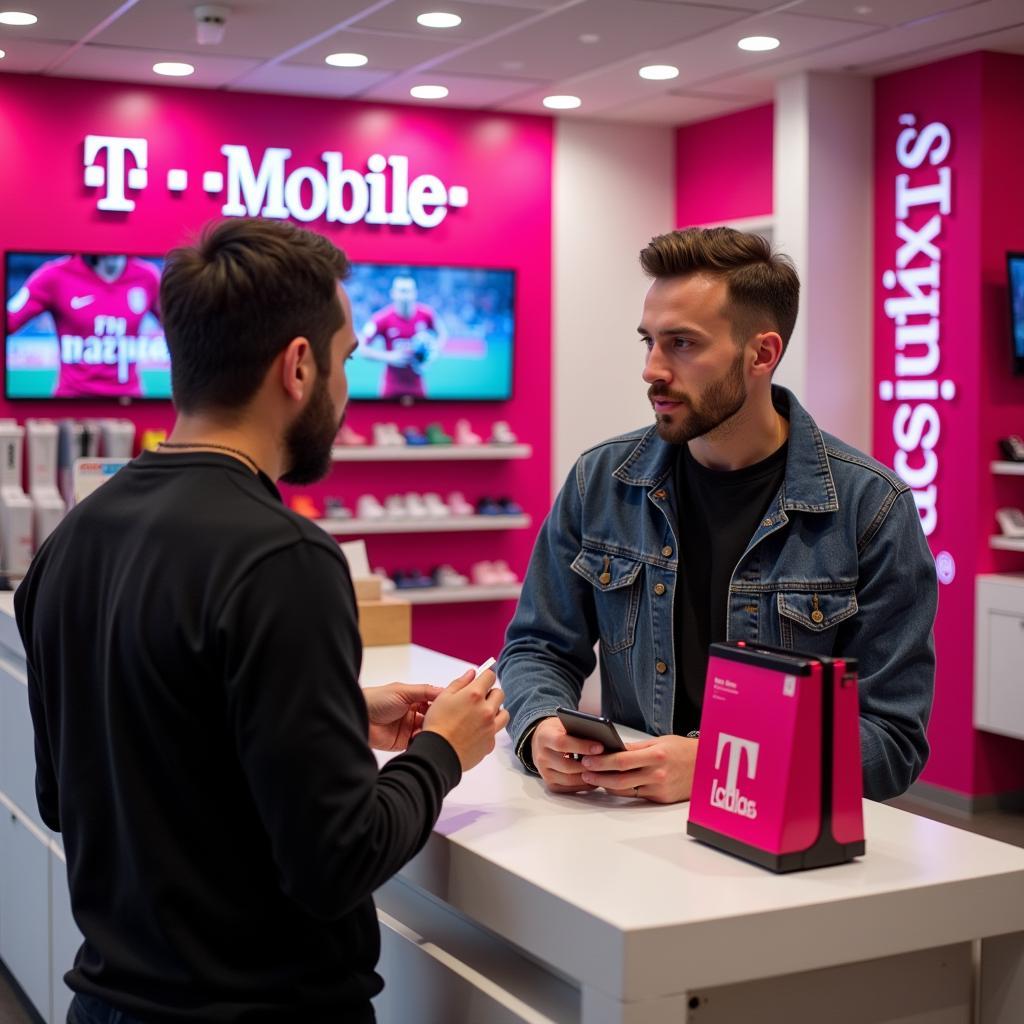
(233, 301)
(762, 285)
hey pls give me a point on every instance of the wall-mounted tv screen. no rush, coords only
(431, 333)
(84, 325)
(1015, 277)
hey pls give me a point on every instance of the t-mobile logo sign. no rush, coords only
(728, 797)
(383, 194)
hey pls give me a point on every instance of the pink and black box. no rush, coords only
(778, 774)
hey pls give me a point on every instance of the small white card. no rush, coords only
(355, 554)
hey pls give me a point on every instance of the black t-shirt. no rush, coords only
(719, 512)
(201, 743)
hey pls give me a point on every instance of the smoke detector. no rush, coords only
(210, 19)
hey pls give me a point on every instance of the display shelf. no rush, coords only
(1008, 468)
(459, 595)
(1006, 543)
(447, 524)
(429, 452)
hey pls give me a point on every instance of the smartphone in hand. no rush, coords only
(591, 727)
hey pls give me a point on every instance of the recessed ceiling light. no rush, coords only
(17, 18)
(346, 60)
(428, 92)
(862, 9)
(439, 19)
(758, 43)
(3, 53)
(589, 38)
(562, 102)
(659, 72)
(174, 69)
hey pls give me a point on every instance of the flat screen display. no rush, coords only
(431, 333)
(84, 325)
(1015, 275)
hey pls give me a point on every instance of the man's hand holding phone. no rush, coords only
(658, 769)
(552, 748)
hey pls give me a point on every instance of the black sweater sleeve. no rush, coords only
(338, 827)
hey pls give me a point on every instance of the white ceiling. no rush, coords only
(509, 54)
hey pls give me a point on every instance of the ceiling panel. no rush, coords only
(124, 65)
(879, 12)
(675, 109)
(464, 90)
(558, 48)
(388, 51)
(61, 20)
(303, 80)
(478, 20)
(28, 57)
(254, 28)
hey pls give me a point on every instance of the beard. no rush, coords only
(310, 438)
(719, 402)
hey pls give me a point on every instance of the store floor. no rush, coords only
(1008, 827)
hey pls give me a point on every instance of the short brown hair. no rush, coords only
(233, 301)
(762, 285)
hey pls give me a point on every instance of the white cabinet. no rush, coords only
(64, 935)
(999, 655)
(17, 743)
(25, 909)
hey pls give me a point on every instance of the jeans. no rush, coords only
(90, 1010)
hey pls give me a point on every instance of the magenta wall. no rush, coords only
(947, 276)
(504, 161)
(724, 167)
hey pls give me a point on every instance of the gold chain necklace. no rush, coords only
(209, 444)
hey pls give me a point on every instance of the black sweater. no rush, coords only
(201, 743)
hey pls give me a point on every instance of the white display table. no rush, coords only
(527, 906)
(530, 907)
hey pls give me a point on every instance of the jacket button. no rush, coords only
(817, 616)
(666, 551)
(661, 667)
(661, 494)
(659, 588)
(605, 578)
(766, 522)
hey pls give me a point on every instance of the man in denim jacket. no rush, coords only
(732, 518)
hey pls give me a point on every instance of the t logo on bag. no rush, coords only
(728, 797)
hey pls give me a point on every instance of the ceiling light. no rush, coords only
(346, 60)
(428, 92)
(757, 43)
(562, 102)
(439, 19)
(173, 69)
(3, 53)
(17, 18)
(659, 72)
(590, 38)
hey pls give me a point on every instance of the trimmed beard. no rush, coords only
(719, 401)
(310, 438)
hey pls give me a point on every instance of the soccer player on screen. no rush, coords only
(98, 304)
(412, 335)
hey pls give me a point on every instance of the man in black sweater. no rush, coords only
(193, 655)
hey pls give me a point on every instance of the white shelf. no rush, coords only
(459, 595)
(1008, 468)
(429, 452)
(447, 524)
(1006, 543)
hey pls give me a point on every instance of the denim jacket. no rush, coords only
(839, 565)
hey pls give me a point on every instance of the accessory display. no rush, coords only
(1012, 447)
(778, 778)
(1011, 522)
(199, 445)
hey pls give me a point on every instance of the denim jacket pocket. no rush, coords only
(616, 595)
(808, 618)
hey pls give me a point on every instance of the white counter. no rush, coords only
(526, 906)
(613, 897)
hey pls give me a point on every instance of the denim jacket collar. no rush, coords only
(808, 484)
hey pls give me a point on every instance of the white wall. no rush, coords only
(614, 189)
(823, 219)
